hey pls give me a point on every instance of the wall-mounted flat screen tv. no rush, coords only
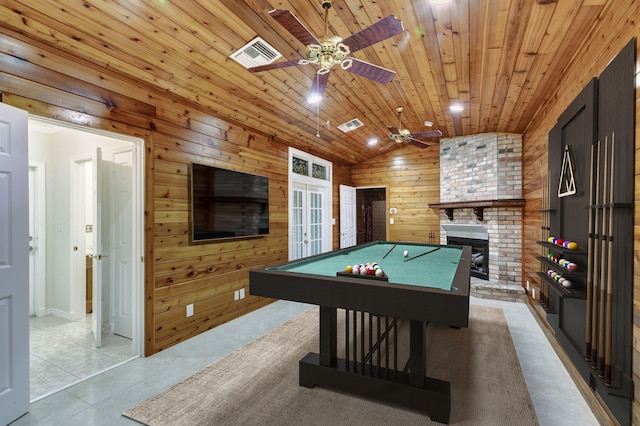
(227, 204)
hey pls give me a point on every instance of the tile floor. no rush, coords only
(63, 353)
(100, 400)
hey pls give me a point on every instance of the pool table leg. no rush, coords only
(328, 336)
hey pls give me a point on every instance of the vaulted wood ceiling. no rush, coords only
(501, 59)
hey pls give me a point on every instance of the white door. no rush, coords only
(122, 251)
(32, 244)
(347, 216)
(96, 192)
(298, 233)
(14, 265)
(308, 221)
(37, 239)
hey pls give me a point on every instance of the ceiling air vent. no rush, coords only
(255, 53)
(350, 125)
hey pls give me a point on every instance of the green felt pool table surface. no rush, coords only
(435, 269)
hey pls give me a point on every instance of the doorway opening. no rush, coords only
(371, 216)
(86, 244)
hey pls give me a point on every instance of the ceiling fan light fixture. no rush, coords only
(314, 98)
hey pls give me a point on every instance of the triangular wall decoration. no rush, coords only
(567, 184)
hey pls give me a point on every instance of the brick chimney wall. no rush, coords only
(486, 167)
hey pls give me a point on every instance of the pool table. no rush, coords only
(428, 285)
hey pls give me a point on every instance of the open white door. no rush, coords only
(123, 254)
(14, 265)
(347, 216)
(96, 325)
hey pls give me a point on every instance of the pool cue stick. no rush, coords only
(589, 263)
(547, 225)
(594, 275)
(603, 262)
(422, 254)
(545, 232)
(394, 246)
(609, 319)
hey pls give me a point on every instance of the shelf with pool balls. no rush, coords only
(570, 266)
(571, 245)
(559, 278)
(365, 270)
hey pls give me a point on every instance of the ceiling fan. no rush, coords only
(400, 135)
(334, 50)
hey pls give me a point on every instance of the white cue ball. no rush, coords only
(406, 253)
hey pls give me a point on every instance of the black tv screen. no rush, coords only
(227, 204)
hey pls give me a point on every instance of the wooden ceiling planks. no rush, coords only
(501, 58)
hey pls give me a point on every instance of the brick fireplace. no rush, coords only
(481, 194)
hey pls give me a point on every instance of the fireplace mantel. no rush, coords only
(478, 206)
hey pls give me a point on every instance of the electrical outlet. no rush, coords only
(242, 293)
(189, 310)
(236, 295)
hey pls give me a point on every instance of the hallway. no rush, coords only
(63, 353)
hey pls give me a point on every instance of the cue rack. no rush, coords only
(592, 316)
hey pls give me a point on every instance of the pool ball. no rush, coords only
(559, 241)
(566, 284)
(571, 266)
(406, 253)
(551, 239)
(348, 269)
(355, 270)
(572, 245)
(363, 270)
(379, 272)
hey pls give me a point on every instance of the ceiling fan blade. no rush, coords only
(419, 144)
(427, 134)
(381, 30)
(319, 84)
(274, 66)
(292, 24)
(393, 130)
(371, 71)
(387, 146)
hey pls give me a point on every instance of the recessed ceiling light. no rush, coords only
(456, 108)
(372, 141)
(428, 123)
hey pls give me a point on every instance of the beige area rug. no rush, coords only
(258, 383)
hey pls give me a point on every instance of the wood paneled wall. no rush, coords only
(175, 134)
(412, 178)
(617, 25)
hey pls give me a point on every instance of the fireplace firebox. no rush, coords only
(479, 254)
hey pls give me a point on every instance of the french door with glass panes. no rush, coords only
(307, 224)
